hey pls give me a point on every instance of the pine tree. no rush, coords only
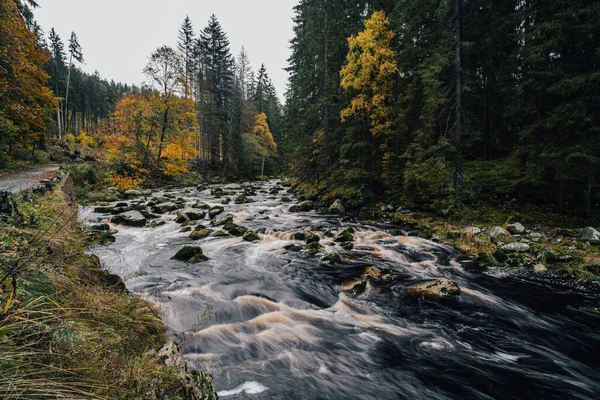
(185, 46)
(74, 53)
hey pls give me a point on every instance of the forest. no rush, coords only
(416, 216)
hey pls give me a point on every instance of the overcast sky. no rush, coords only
(117, 36)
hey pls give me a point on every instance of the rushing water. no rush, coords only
(283, 328)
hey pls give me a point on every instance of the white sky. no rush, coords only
(117, 36)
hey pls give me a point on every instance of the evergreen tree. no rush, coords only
(185, 46)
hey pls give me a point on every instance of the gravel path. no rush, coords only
(24, 179)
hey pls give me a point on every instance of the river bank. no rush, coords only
(69, 329)
(276, 300)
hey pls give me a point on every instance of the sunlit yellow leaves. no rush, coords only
(369, 72)
(264, 135)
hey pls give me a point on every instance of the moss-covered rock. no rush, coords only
(200, 234)
(344, 236)
(187, 253)
(435, 289)
(312, 238)
(236, 230)
(251, 236)
(332, 258)
(303, 206)
(130, 218)
(243, 199)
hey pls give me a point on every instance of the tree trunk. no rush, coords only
(162, 135)
(262, 171)
(587, 197)
(458, 93)
(66, 113)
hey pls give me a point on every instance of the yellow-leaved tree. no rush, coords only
(264, 138)
(369, 73)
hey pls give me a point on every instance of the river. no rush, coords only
(281, 325)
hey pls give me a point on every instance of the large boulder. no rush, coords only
(516, 228)
(590, 235)
(190, 214)
(499, 235)
(130, 218)
(163, 208)
(303, 206)
(435, 289)
(337, 207)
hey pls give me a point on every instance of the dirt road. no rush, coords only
(24, 179)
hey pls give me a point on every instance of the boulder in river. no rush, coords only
(303, 206)
(435, 289)
(233, 186)
(130, 218)
(130, 194)
(590, 235)
(163, 208)
(251, 236)
(332, 258)
(222, 221)
(344, 236)
(190, 214)
(190, 254)
(312, 238)
(235, 230)
(216, 210)
(355, 287)
(516, 228)
(201, 205)
(337, 207)
(499, 235)
(242, 199)
(200, 233)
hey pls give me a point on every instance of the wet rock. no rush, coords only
(217, 192)
(185, 229)
(347, 245)
(232, 186)
(130, 218)
(120, 210)
(286, 200)
(200, 234)
(303, 206)
(216, 210)
(201, 205)
(499, 235)
(344, 236)
(355, 287)
(516, 228)
(337, 207)
(386, 242)
(413, 233)
(225, 201)
(300, 236)
(332, 258)
(103, 210)
(130, 194)
(190, 214)
(251, 236)
(242, 199)
(372, 273)
(190, 254)
(471, 231)
(99, 228)
(222, 221)
(163, 208)
(8, 208)
(515, 248)
(155, 223)
(221, 234)
(590, 235)
(312, 238)
(236, 230)
(293, 247)
(313, 248)
(435, 289)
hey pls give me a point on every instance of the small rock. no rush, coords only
(243, 200)
(190, 214)
(344, 236)
(332, 258)
(540, 268)
(251, 236)
(516, 228)
(200, 234)
(303, 206)
(435, 289)
(471, 231)
(216, 210)
(163, 208)
(355, 287)
(515, 247)
(189, 253)
(337, 207)
(312, 238)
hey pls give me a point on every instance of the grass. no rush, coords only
(67, 329)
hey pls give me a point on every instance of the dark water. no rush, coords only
(284, 329)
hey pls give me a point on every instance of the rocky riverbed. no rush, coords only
(277, 301)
